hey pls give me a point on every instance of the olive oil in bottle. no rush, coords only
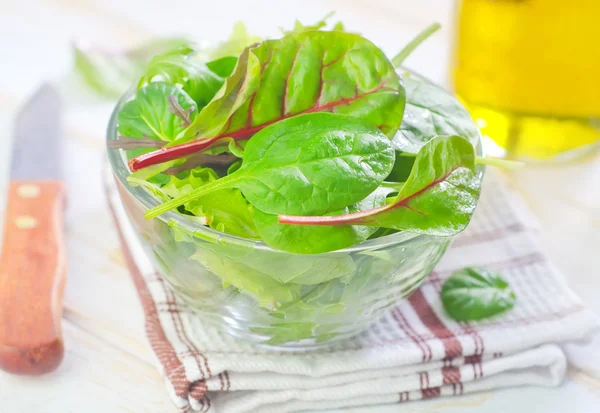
(529, 73)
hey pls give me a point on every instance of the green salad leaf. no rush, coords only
(223, 66)
(266, 290)
(310, 164)
(180, 67)
(225, 210)
(476, 293)
(235, 91)
(431, 111)
(311, 143)
(151, 113)
(111, 73)
(340, 72)
(318, 239)
(438, 198)
(238, 40)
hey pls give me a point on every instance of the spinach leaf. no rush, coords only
(181, 67)
(224, 66)
(318, 239)
(310, 164)
(149, 114)
(236, 90)
(476, 293)
(225, 210)
(301, 73)
(110, 73)
(438, 198)
(431, 111)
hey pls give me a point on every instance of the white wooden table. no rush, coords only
(108, 366)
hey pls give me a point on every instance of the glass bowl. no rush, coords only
(266, 296)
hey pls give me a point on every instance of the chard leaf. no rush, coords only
(476, 293)
(298, 74)
(111, 73)
(310, 164)
(318, 239)
(149, 114)
(438, 198)
(180, 67)
(225, 210)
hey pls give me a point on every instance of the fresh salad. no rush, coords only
(312, 142)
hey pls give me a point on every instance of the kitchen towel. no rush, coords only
(414, 352)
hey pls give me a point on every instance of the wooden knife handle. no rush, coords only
(32, 278)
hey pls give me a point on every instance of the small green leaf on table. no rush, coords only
(476, 293)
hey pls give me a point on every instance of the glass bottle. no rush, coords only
(529, 73)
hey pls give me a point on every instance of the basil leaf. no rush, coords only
(301, 73)
(438, 198)
(310, 164)
(318, 239)
(149, 114)
(475, 294)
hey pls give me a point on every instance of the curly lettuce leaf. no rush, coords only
(225, 210)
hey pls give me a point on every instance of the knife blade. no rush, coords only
(32, 259)
(37, 143)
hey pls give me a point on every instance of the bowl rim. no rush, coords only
(120, 169)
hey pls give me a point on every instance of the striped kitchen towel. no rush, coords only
(414, 352)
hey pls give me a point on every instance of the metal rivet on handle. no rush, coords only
(26, 222)
(28, 191)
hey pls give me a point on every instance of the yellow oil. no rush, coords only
(529, 73)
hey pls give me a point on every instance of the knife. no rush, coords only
(32, 261)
